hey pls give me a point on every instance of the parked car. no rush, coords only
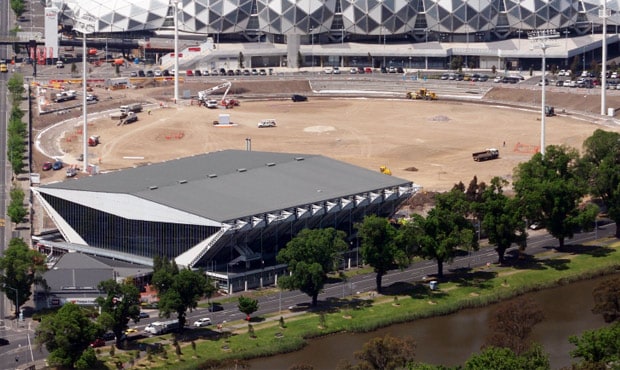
(57, 165)
(230, 72)
(131, 331)
(246, 72)
(254, 72)
(205, 321)
(133, 74)
(400, 70)
(189, 73)
(99, 342)
(483, 78)
(91, 97)
(328, 70)
(360, 70)
(198, 72)
(150, 73)
(336, 71)
(445, 76)
(157, 73)
(214, 72)
(392, 70)
(298, 97)
(262, 72)
(353, 71)
(141, 73)
(205, 72)
(165, 73)
(46, 166)
(238, 72)
(498, 79)
(367, 70)
(108, 336)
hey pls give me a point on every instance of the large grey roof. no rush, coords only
(232, 184)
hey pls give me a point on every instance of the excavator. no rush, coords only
(228, 103)
(423, 94)
(385, 170)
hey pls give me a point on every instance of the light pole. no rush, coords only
(466, 35)
(541, 40)
(312, 47)
(604, 14)
(176, 51)
(85, 25)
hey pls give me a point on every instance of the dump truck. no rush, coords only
(135, 108)
(423, 94)
(487, 154)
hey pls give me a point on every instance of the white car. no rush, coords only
(267, 123)
(561, 72)
(336, 71)
(205, 321)
(497, 79)
(328, 70)
(212, 103)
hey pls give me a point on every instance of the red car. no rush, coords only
(46, 166)
(99, 342)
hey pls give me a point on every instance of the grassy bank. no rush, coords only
(401, 302)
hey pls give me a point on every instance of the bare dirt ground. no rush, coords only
(429, 143)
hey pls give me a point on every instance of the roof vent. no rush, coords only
(152, 187)
(241, 169)
(299, 158)
(212, 175)
(182, 181)
(271, 164)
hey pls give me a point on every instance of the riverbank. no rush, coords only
(401, 302)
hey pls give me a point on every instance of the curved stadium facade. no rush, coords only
(478, 20)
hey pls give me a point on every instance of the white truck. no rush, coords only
(136, 108)
(65, 96)
(162, 327)
(269, 122)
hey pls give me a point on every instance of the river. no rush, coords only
(451, 339)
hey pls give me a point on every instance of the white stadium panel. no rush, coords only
(592, 7)
(372, 17)
(209, 16)
(121, 15)
(295, 17)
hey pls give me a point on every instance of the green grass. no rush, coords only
(472, 288)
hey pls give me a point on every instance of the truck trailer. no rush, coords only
(489, 153)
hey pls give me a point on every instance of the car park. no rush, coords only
(204, 321)
(46, 166)
(57, 165)
(297, 97)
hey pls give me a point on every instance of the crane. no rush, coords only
(203, 95)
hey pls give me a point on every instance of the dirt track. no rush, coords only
(429, 143)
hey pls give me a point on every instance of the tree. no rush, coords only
(310, 256)
(607, 299)
(18, 7)
(185, 289)
(379, 249)
(240, 60)
(598, 347)
(16, 210)
(248, 306)
(445, 229)
(66, 334)
(121, 304)
(15, 85)
(501, 218)
(512, 322)
(21, 267)
(386, 353)
(602, 166)
(504, 359)
(550, 189)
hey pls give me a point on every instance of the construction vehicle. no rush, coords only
(385, 170)
(549, 111)
(65, 96)
(487, 154)
(93, 140)
(130, 118)
(135, 108)
(423, 94)
(118, 115)
(203, 96)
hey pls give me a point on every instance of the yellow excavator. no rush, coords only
(423, 94)
(384, 170)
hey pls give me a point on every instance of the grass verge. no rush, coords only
(401, 302)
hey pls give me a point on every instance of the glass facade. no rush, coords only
(138, 237)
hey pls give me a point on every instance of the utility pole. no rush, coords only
(604, 13)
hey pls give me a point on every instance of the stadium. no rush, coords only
(226, 212)
(414, 34)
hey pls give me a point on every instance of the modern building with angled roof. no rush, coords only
(227, 212)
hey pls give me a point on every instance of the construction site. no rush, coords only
(429, 142)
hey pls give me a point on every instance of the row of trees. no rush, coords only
(17, 130)
(548, 189)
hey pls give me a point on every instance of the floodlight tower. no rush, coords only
(85, 24)
(604, 13)
(542, 40)
(176, 50)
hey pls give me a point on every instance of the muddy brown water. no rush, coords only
(450, 340)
